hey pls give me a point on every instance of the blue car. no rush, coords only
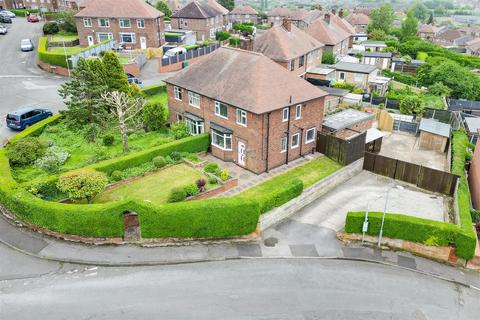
(24, 118)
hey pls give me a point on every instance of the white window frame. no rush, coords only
(283, 144)
(108, 34)
(301, 61)
(241, 117)
(298, 112)
(87, 22)
(285, 114)
(107, 22)
(194, 99)
(218, 109)
(122, 21)
(309, 57)
(292, 146)
(177, 92)
(291, 65)
(195, 127)
(131, 34)
(141, 23)
(225, 136)
(341, 75)
(306, 135)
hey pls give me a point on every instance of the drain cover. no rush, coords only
(270, 242)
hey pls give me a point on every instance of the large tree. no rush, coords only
(162, 5)
(227, 4)
(409, 26)
(381, 18)
(420, 11)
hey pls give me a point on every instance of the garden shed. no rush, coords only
(434, 135)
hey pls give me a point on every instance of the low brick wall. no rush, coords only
(232, 183)
(132, 68)
(310, 194)
(53, 69)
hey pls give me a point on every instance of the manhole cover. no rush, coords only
(270, 242)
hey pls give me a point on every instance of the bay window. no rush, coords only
(222, 140)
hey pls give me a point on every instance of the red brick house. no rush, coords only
(334, 32)
(133, 23)
(259, 115)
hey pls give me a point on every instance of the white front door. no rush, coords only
(143, 42)
(90, 40)
(241, 153)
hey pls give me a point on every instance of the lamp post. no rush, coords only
(66, 58)
(384, 212)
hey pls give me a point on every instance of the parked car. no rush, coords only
(26, 45)
(4, 18)
(3, 29)
(174, 51)
(8, 13)
(132, 79)
(25, 117)
(33, 18)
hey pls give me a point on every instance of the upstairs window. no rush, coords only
(301, 61)
(87, 22)
(178, 93)
(241, 117)
(221, 109)
(104, 22)
(140, 23)
(285, 114)
(125, 23)
(194, 99)
(298, 111)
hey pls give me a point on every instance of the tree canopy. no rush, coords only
(409, 26)
(162, 6)
(381, 18)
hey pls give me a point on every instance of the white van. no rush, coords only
(173, 52)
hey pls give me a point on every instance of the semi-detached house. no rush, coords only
(133, 23)
(259, 115)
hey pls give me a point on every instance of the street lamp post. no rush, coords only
(66, 58)
(385, 211)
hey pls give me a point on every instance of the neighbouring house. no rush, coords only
(334, 98)
(474, 176)
(451, 38)
(335, 39)
(243, 13)
(297, 15)
(223, 10)
(174, 5)
(360, 37)
(428, 31)
(45, 5)
(347, 123)
(133, 23)
(290, 47)
(358, 74)
(382, 60)
(276, 16)
(473, 47)
(359, 21)
(309, 18)
(259, 115)
(434, 135)
(321, 75)
(199, 17)
(400, 64)
(472, 125)
(374, 46)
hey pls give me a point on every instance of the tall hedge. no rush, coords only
(35, 129)
(52, 58)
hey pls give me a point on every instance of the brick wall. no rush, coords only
(201, 27)
(316, 60)
(153, 31)
(353, 130)
(259, 148)
(232, 18)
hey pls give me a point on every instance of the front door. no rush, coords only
(143, 42)
(241, 153)
(90, 40)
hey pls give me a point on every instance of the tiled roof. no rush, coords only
(218, 6)
(449, 35)
(246, 80)
(119, 9)
(326, 33)
(428, 28)
(358, 18)
(279, 12)
(197, 10)
(174, 5)
(298, 14)
(312, 15)
(342, 23)
(354, 67)
(279, 44)
(243, 9)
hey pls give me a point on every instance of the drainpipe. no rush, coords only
(268, 139)
(288, 135)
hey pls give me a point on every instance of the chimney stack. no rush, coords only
(327, 18)
(287, 24)
(334, 11)
(246, 43)
(340, 13)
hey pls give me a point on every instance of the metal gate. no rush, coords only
(405, 126)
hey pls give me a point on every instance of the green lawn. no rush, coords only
(61, 38)
(432, 101)
(309, 173)
(69, 50)
(83, 153)
(123, 60)
(155, 187)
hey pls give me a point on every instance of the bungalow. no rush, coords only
(199, 17)
(290, 47)
(355, 73)
(259, 115)
(336, 39)
(374, 46)
(243, 13)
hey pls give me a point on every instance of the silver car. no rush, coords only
(26, 45)
(9, 13)
(3, 29)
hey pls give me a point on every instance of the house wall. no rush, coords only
(474, 177)
(353, 130)
(153, 31)
(50, 5)
(300, 71)
(358, 79)
(232, 18)
(380, 63)
(201, 27)
(262, 135)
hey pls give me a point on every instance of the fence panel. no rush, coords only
(407, 171)
(385, 166)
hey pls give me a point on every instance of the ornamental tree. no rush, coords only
(411, 105)
(82, 184)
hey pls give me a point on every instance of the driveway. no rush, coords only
(22, 83)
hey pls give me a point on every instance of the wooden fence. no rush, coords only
(423, 177)
(340, 150)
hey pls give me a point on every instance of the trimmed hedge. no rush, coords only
(154, 89)
(23, 12)
(36, 129)
(52, 58)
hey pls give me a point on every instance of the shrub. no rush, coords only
(154, 116)
(82, 184)
(117, 175)
(439, 89)
(212, 180)
(159, 162)
(234, 42)
(224, 175)
(201, 183)
(169, 160)
(53, 159)
(192, 157)
(26, 151)
(328, 58)
(411, 105)
(211, 167)
(175, 156)
(50, 28)
(191, 190)
(222, 35)
(36, 129)
(177, 195)
(108, 140)
(343, 85)
(180, 130)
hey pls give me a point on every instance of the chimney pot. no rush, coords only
(287, 24)
(327, 18)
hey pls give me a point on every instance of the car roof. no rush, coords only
(21, 111)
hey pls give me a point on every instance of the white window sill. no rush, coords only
(178, 99)
(220, 116)
(241, 124)
(309, 141)
(218, 147)
(292, 147)
(191, 105)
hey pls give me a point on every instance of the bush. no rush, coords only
(36, 129)
(108, 140)
(191, 190)
(211, 167)
(180, 130)
(50, 28)
(26, 151)
(201, 183)
(224, 175)
(234, 42)
(82, 184)
(412, 105)
(177, 195)
(343, 85)
(328, 58)
(117, 175)
(222, 35)
(212, 180)
(159, 162)
(154, 116)
(175, 156)
(53, 159)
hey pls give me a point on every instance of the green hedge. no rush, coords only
(23, 12)
(54, 59)
(154, 89)
(36, 129)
